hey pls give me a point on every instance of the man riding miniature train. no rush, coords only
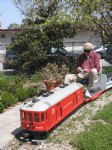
(88, 67)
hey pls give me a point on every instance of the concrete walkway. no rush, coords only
(105, 63)
(9, 125)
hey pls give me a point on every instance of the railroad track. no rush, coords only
(28, 146)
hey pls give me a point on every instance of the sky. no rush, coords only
(9, 14)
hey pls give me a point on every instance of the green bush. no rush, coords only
(12, 87)
(8, 99)
(22, 94)
(1, 107)
(32, 91)
(3, 84)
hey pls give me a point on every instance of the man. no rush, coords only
(88, 67)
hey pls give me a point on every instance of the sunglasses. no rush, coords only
(86, 51)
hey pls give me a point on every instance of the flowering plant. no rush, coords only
(52, 73)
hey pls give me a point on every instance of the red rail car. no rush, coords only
(43, 113)
(46, 111)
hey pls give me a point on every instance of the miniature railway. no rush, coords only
(28, 146)
(43, 113)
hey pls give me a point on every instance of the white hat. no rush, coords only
(88, 46)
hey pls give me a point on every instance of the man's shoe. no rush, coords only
(93, 89)
(87, 94)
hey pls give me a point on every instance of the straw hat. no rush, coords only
(88, 46)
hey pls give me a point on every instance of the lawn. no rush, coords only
(98, 136)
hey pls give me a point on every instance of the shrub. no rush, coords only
(20, 80)
(3, 84)
(53, 72)
(1, 107)
(22, 94)
(32, 91)
(8, 99)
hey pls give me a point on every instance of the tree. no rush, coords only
(46, 28)
(13, 26)
(95, 14)
(29, 53)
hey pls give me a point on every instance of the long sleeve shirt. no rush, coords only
(89, 62)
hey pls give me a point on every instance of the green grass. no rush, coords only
(105, 114)
(99, 135)
(107, 69)
(30, 77)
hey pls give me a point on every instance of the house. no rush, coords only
(71, 44)
(6, 37)
(76, 43)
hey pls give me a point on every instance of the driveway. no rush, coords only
(105, 63)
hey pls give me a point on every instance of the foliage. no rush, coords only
(99, 135)
(22, 94)
(8, 99)
(3, 84)
(28, 48)
(1, 107)
(52, 72)
(12, 90)
(46, 29)
(32, 91)
(13, 26)
(35, 77)
(20, 80)
(95, 14)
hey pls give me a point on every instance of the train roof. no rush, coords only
(47, 100)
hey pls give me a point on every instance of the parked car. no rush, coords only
(101, 50)
(57, 51)
(7, 64)
(109, 54)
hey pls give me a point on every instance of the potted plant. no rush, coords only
(53, 75)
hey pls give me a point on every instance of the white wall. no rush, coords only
(82, 36)
(5, 40)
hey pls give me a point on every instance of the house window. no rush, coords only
(2, 36)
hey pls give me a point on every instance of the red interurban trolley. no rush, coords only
(41, 114)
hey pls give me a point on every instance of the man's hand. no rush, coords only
(78, 69)
(86, 70)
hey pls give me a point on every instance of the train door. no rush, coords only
(58, 112)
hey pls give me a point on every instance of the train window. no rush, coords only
(30, 116)
(76, 100)
(24, 115)
(36, 117)
(46, 116)
(42, 117)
